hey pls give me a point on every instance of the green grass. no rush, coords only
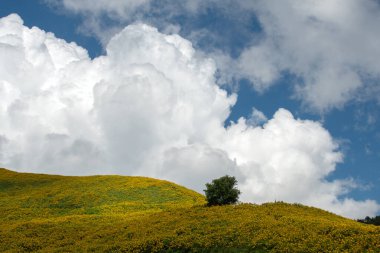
(45, 213)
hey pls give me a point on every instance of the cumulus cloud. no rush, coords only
(330, 46)
(151, 106)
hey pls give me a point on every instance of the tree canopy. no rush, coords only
(222, 191)
(374, 221)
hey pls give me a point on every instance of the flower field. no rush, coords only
(44, 213)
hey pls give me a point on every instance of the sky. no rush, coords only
(283, 95)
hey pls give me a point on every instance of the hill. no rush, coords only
(46, 213)
(28, 195)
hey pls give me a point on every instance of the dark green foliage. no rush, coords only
(222, 191)
(374, 221)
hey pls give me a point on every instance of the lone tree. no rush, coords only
(222, 191)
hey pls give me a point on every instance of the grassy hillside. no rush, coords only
(27, 196)
(133, 214)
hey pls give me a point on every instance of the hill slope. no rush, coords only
(27, 195)
(47, 213)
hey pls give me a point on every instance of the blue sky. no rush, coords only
(307, 59)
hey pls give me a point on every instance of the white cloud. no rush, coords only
(259, 65)
(151, 107)
(97, 15)
(331, 45)
(93, 14)
(118, 8)
(256, 118)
